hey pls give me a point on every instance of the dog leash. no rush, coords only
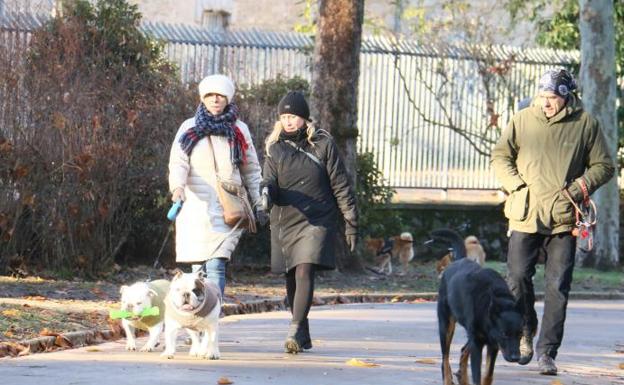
(170, 230)
(586, 216)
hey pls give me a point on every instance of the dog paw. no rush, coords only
(167, 355)
(145, 349)
(131, 347)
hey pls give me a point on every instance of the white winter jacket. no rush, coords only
(199, 225)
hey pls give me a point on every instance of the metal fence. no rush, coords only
(429, 114)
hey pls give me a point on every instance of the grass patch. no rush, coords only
(584, 279)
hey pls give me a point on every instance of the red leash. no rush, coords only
(586, 218)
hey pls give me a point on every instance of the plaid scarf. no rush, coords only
(220, 125)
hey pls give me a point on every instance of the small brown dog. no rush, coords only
(443, 263)
(474, 252)
(385, 249)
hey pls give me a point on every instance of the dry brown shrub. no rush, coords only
(83, 155)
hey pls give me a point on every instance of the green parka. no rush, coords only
(537, 157)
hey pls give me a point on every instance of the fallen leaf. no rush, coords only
(115, 327)
(621, 366)
(91, 350)
(24, 352)
(395, 299)
(420, 300)
(13, 313)
(13, 349)
(224, 381)
(556, 382)
(35, 298)
(361, 364)
(63, 342)
(45, 332)
(428, 361)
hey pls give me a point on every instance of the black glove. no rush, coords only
(262, 217)
(351, 241)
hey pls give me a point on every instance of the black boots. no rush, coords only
(298, 337)
(307, 341)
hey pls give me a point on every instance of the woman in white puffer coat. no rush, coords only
(202, 237)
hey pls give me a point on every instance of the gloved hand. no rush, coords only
(351, 241)
(262, 217)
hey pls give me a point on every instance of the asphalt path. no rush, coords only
(400, 338)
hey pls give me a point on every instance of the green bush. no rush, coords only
(377, 219)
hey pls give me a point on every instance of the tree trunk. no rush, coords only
(335, 85)
(598, 83)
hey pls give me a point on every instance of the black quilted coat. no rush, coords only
(306, 198)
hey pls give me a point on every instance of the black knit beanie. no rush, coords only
(294, 103)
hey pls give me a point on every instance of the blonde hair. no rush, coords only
(277, 130)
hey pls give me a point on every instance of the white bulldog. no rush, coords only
(193, 303)
(135, 299)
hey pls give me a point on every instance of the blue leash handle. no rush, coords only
(174, 210)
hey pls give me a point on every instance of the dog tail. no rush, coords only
(452, 239)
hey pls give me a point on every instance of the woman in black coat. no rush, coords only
(307, 184)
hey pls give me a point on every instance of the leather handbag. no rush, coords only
(237, 210)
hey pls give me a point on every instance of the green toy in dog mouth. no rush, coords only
(124, 314)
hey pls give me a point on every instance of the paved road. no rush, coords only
(400, 338)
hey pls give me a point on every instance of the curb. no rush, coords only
(93, 337)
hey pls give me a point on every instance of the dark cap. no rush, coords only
(559, 81)
(294, 103)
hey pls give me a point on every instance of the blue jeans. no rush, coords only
(215, 271)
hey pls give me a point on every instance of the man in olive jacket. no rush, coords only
(547, 148)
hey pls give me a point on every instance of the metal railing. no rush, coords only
(429, 114)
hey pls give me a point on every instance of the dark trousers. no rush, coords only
(559, 250)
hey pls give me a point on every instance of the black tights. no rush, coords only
(300, 290)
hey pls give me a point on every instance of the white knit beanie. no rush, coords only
(217, 84)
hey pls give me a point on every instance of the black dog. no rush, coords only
(481, 302)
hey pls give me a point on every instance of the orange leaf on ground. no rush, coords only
(45, 332)
(421, 300)
(35, 298)
(115, 327)
(13, 349)
(428, 361)
(91, 350)
(224, 381)
(556, 382)
(360, 363)
(621, 366)
(63, 342)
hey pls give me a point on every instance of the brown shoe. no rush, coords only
(526, 349)
(547, 365)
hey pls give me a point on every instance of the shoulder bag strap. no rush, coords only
(314, 158)
(214, 156)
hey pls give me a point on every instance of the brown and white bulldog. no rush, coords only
(193, 303)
